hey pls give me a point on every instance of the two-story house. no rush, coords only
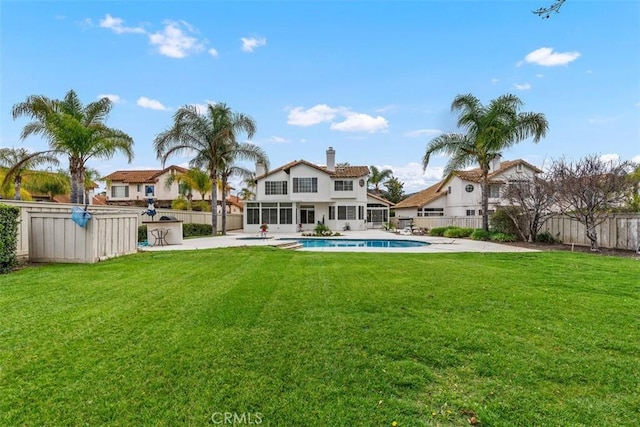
(460, 193)
(135, 187)
(301, 194)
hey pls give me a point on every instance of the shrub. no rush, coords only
(180, 204)
(201, 206)
(438, 231)
(322, 230)
(503, 237)
(142, 233)
(194, 230)
(458, 232)
(501, 222)
(8, 237)
(546, 237)
(480, 234)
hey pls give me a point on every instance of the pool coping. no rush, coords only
(436, 244)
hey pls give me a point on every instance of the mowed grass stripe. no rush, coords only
(309, 338)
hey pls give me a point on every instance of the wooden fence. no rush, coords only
(619, 231)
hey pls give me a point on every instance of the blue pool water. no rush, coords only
(360, 243)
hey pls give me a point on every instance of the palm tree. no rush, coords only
(210, 136)
(378, 177)
(229, 167)
(74, 130)
(19, 163)
(489, 130)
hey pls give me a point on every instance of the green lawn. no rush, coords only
(285, 338)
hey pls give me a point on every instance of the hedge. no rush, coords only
(8, 237)
(188, 230)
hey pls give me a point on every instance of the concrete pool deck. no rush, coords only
(437, 244)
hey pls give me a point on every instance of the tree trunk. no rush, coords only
(592, 235)
(77, 182)
(224, 209)
(17, 183)
(214, 206)
(485, 200)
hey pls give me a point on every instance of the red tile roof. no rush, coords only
(141, 176)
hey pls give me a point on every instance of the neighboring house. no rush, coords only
(135, 187)
(300, 194)
(460, 194)
(235, 205)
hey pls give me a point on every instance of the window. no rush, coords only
(149, 190)
(305, 185)
(449, 190)
(138, 188)
(360, 212)
(269, 213)
(468, 188)
(119, 191)
(520, 186)
(494, 191)
(275, 187)
(346, 212)
(253, 213)
(431, 212)
(519, 168)
(307, 214)
(286, 213)
(343, 185)
(332, 212)
(471, 212)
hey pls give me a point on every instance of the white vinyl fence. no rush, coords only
(234, 221)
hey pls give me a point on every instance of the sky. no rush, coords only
(372, 79)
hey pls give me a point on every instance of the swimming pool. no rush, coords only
(358, 243)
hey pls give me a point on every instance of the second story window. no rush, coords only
(305, 185)
(275, 187)
(119, 191)
(342, 185)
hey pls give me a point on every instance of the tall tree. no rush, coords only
(209, 135)
(378, 176)
(489, 130)
(192, 180)
(589, 189)
(395, 190)
(20, 163)
(529, 204)
(74, 130)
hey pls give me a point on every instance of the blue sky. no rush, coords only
(372, 79)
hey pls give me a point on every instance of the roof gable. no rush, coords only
(339, 172)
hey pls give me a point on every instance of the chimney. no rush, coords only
(495, 163)
(331, 159)
(260, 169)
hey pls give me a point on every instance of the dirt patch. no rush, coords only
(576, 248)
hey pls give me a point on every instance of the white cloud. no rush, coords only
(213, 52)
(314, 115)
(278, 140)
(152, 104)
(612, 158)
(113, 98)
(539, 75)
(588, 72)
(116, 25)
(387, 108)
(249, 44)
(494, 81)
(524, 86)
(174, 42)
(546, 57)
(636, 159)
(422, 132)
(359, 122)
(602, 120)
(414, 178)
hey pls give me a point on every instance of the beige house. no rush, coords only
(460, 194)
(135, 187)
(301, 194)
